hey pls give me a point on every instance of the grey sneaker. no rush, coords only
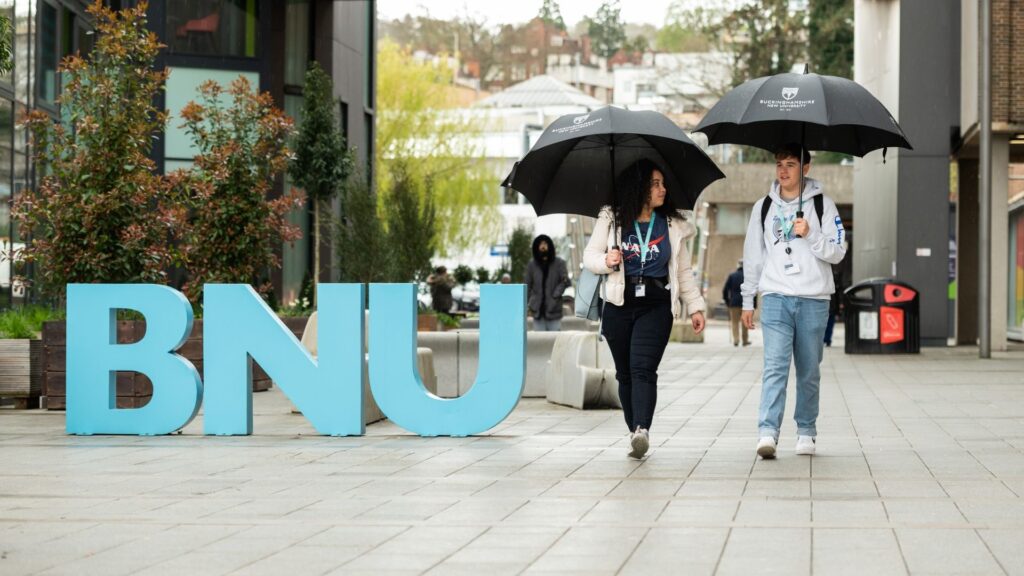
(766, 447)
(639, 442)
(805, 445)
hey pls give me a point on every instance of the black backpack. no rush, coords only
(819, 208)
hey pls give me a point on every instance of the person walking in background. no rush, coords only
(648, 281)
(546, 279)
(441, 284)
(734, 302)
(787, 259)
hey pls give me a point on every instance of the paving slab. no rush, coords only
(920, 469)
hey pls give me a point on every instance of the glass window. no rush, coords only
(296, 41)
(344, 121)
(296, 263)
(7, 9)
(368, 128)
(49, 49)
(24, 28)
(212, 27)
(1015, 316)
(84, 38)
(6, 183)
(369, 78)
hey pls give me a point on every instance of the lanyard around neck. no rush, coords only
(644, 244)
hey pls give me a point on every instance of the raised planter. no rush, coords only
(133, 389)
(21, 373)
(428, 323)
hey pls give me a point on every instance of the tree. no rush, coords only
(360, 242)
(639, 44)
(483, 275)
(234, 232)
(411, 231)
(463, 275)
(684, 29)
(432, 147)
(520, 251)
(469, 37)
(606, 30)
(322, 161)
(100, 212)
(551, 13)
(764, 37)
(830, 37)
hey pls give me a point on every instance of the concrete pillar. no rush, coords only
(1000, 239)
(967, 253)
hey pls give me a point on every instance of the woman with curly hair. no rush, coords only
(649, 279)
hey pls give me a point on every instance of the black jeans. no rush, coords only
(637, 334)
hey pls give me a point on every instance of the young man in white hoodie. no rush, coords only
(788, 260)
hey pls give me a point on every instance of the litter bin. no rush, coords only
(882, 317)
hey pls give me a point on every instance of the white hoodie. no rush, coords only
(764, 253)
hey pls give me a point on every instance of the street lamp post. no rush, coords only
(985, 175)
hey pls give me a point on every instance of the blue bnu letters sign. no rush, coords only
(239, 327)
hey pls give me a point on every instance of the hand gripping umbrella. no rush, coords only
(818, 112)
(572, 167)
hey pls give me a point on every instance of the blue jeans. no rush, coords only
(794, 329)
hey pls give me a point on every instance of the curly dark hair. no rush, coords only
(633, 186)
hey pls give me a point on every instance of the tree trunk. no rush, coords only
(316, 248)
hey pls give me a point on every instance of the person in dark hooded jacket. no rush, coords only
(546, 279)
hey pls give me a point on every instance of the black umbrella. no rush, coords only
(572, 167)
(819, 112)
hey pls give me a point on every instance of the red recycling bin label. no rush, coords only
(890, 324)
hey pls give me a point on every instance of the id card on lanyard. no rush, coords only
(641, 288)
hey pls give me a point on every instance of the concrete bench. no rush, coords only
(581, 372)
(457, 356)
(371, 412)
(569, 323)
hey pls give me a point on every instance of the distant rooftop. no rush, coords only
(538, 92)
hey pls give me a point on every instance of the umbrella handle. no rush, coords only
(799, 214)
(616, 268)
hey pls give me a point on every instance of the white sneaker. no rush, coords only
(640, 442)
(766, 447)
(805, 445)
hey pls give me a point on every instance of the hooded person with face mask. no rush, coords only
(546, 279)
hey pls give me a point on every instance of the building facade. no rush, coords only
(270, 42)
(906, 52)
(917, 211)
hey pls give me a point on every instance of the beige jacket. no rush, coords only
(682, 284)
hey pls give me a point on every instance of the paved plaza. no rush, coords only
(920, 470)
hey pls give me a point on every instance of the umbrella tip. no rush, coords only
(807, 68)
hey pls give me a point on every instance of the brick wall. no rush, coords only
(1016, 49)
(1000, 60)
(1008, 61)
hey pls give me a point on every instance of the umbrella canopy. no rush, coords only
(572, 167)
(822, 112)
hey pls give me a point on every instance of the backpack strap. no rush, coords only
(819, 209)
(765, 207)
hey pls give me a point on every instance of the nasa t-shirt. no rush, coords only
(659, 251)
